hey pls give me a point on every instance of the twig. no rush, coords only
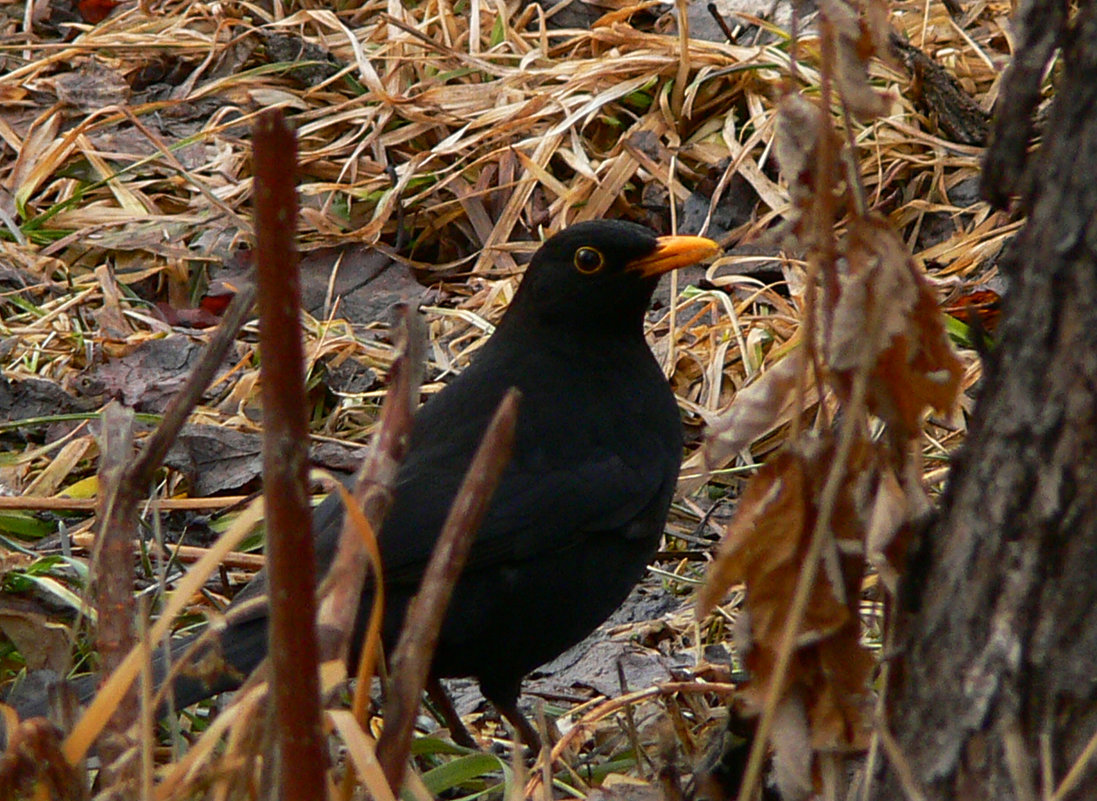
(608, 707)
(89, 725)
(714, 12)
(40, 504)
(823, 258)
(373, 491)
(1077, 770)
(112, 568)
(630, 721)
(342, 591)
(899, 764)
(118, 515)
(412, 657)
(236, 560)
(295, 679)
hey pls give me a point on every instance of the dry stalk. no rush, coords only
(415, 648)
(290, 554)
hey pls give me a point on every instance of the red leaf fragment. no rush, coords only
(95, 11)
(984, 304)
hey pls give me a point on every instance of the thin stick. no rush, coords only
(112, 568)
(295, 678)
(820, 537)
(117, 515)
(342, 593)
(605, 708)
(899, 763)
(1077, 771)
(32, 503)
(412, 657)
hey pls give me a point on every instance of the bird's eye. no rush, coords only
(589, 260)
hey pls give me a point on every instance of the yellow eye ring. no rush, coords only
(589, 260)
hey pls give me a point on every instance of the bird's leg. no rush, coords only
(526, 733)
(440, 698)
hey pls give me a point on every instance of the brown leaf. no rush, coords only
(757, 409)
(771, 505)
(43, 643)
(33, 160)
(981, 306)
(766, 542)
(189, 318)
(802, 127)
(92, 86)
(95, 11)
(898, 501)
(858, 36)
(765, 547)
(110, 316)
(840, 704)
(147, 374)
(887, 320)
(889, 517)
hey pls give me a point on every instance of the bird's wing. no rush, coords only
(533, 511)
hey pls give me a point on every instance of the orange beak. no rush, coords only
(673, 252)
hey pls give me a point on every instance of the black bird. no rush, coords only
(582, 504)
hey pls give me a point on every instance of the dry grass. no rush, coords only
(126, 179)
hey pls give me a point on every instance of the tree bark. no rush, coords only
(993, 681)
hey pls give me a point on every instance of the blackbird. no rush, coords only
(581, 506)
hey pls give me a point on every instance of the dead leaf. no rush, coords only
(220, 459)
(61, 465)
(899, 500)
(146, 376)
(801, 128)
(767, 538)
(765, 548)
(982, 304)
(40, 139)
(37, 397)
(198, 318)
(858, 36)
(887, 320)
(889, 515)
(95, 11)
(109, 316)
(92, 86)
(840, 702)
(757, 409)
(42, 642)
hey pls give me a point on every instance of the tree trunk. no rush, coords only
(993, 683)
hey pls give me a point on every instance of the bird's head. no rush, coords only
(601, 274)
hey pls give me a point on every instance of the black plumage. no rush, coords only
(580, 508)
